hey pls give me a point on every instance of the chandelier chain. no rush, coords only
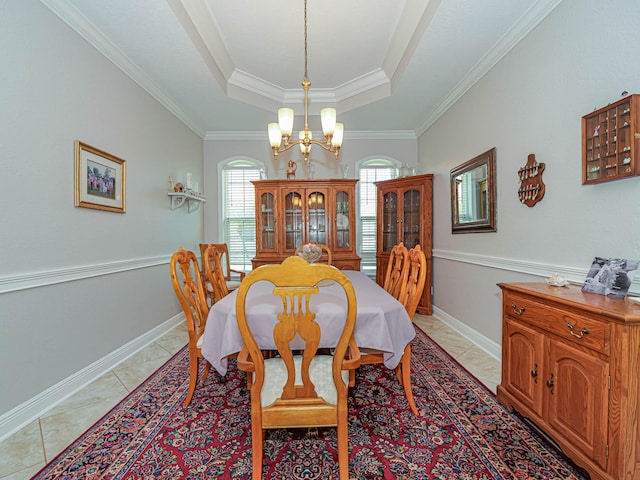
(306, 74)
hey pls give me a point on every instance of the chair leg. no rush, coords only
(257, 442)
(206, 370)
(343, 446)
(193, 377)
(405, 371)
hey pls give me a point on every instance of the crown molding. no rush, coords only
(360, 91)
(531, 18)
(87, 30)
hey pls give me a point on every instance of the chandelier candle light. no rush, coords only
(280, 133)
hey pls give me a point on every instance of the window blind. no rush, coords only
(370, 172)
(238, 222)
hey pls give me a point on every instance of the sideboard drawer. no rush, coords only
(580, 329)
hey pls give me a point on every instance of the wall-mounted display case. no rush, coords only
(610, 142)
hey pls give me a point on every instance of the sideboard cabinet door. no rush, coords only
(570, 363)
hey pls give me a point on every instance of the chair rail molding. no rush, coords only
(544, 270)
(23, 281)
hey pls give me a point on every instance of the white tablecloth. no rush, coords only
(381, 323)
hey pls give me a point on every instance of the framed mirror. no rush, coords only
(473, 195)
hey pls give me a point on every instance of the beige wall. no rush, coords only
(580, 57)
(103, 277)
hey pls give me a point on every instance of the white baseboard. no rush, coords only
(23, 414)
(492, 348)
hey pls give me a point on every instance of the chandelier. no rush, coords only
(280, 133)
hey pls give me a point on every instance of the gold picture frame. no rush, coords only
(100, 179)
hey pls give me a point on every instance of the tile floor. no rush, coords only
(29, 449)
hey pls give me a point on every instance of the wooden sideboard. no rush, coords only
(571, 364)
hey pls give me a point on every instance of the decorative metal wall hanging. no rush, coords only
(531, 188)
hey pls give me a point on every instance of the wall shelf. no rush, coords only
(193, 200)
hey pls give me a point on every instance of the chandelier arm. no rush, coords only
(328, 148)
(291, 144)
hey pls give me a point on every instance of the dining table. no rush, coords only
(382, 323)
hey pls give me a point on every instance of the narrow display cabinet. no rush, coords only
(570, 364)
(405, 215)
(290, 213)
(610, 142)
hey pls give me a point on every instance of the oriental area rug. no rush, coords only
(463, 432)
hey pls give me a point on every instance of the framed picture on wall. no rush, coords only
(100, 179)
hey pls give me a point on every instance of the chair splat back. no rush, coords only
(225, 262)
(186, 281)
(413, 287)
(296, 318)
(214, 274)
(397, 270)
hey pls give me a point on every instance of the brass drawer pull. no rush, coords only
(516, 310)
(583, 332)
(534, 373)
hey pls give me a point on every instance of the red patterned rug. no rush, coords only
(463, 432)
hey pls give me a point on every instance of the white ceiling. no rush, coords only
(227, 65)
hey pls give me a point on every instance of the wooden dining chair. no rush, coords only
(232, 277)
(397, 270)
(215, 281)
(410, 297)
(300, 388)
(325, 251)
(410, 284)
(187, 283)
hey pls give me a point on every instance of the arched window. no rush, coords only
(239, 212)
(371, 171)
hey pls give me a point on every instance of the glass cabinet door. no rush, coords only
(343, 229)
(411, 224)
(268, 222)
(389, 221)
(293, 220)
(317, 225)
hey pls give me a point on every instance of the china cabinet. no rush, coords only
(610, 139)
(404, 214)
(570, 364)
(290, 213)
